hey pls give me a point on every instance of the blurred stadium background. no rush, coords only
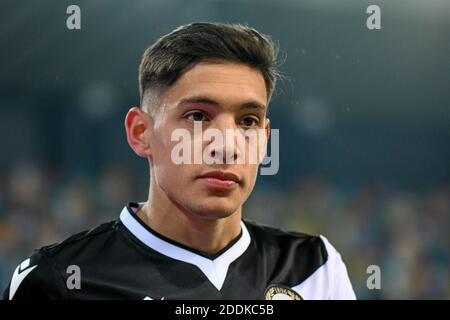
(364, 126)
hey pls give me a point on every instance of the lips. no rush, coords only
(220, 179)
(221, 175)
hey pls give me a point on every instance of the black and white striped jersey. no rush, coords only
(125, 259)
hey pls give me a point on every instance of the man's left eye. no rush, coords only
(250, 122)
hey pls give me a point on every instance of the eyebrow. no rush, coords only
(208, 100)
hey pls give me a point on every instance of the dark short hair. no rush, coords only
(173, 54)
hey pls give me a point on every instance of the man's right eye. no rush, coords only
(196, 116)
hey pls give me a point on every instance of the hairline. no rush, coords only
(157, 92)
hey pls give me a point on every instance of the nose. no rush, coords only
(229, 148)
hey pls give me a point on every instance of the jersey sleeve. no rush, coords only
(35, 278)
(328, 282)
(340, 285)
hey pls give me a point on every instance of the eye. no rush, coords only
(250, 122)
(196, 116)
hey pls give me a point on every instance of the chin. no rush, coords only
(215, 209)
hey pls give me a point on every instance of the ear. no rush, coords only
(138, 125)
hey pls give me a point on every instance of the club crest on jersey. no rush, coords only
(279, 292)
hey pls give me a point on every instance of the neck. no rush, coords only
(208, 236)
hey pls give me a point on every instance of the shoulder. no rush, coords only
(330, 281)
(277, 239)
(87, 240)
(42, 275)
(315, 266)
(34, 278)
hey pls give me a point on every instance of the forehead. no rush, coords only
(227, 82)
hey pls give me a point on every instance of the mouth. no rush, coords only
(220, 179)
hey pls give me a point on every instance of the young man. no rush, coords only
(188, 240)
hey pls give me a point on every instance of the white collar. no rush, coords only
(214, 269)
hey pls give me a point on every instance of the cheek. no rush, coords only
(162, 145)
(163, 167)
(250, 177)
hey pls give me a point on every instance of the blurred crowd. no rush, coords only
(404, 232)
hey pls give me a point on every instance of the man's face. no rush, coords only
(219, 96)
